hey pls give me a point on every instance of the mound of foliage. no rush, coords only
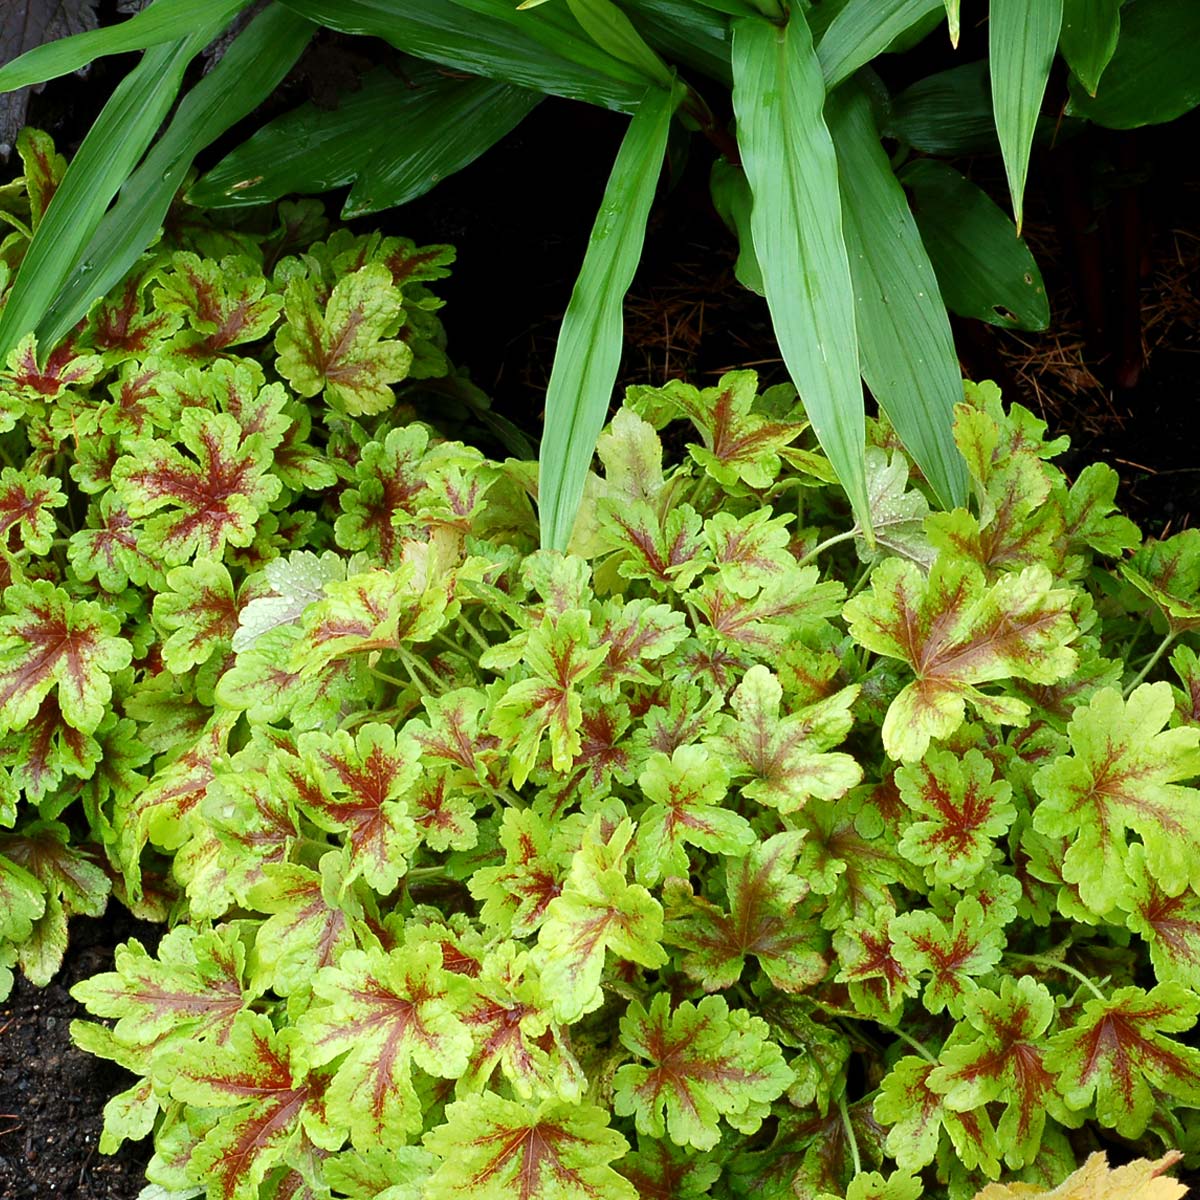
(729, 854)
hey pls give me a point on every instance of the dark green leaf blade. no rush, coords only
(544, 51)
(1088, 37)
(259, 57)
(789, 159)
(164, 21)
(904, 340)
(113, 145)
(1154, 76)
(1022, 37)
(984, 269)
(589, 344)
(863, 29)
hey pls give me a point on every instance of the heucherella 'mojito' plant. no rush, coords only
(724, 855)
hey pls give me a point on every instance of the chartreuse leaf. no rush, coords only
(380, 1015)
(1088, 37)
(491, 1149)
(789, 159)
(685, 793)
(112, 147)
(210, 499)
(1116, 1056)
(1022, 38)
(705, 1063)
(763, 890)
(596, 910)
(1122, 774)
(259, 57)
(905, 347)
(256, 1081)
(1170, 924)
(589, 342)
(348, 351)
(955, 632)
(51, 642)
(197, 615)
(163, 21)
(999, 1054)
(786, 758)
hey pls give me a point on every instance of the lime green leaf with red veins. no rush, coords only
(496, 1149)
(963, 809)
(662, 1171)
(44, 169)
(874, 965)
(786, 759)
(740, 445)
(212, 499)
(1121, 775)
(1116, 1056)
(163, 811)
(667, 549)
(141, 402)
(45, 749)
(257, 1080)
(223, 302)
(913, 1110)
(196, 616)
(363, 783)
(50, 642)
(24, 382)
(955, 631)
(751, 551)
(763, 890)
(953, 955)
(705, 1063)
(998, 1055)
(596, 911)
(1093, 521)
(516, 895)
(366, 612)
(384, 494)
(635, 634)
(1169, 924)
(122, 329)
(347, 351)
(559, 655)
(1169, 573)
(192, 988)
(27, 503)
(107, 549)
(685, 793)
(452, 734)
(382, 1014)
(381, 1173)
(513, 1034)
(310, 923)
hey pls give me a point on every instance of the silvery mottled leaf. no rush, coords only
(298, 581)
(898, 516)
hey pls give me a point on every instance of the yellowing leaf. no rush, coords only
(1095, 1180)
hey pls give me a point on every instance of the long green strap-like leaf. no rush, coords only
(904, 340)
(863, 29)
(257, 59)
(163, 21)
(544, 51)
(589, 343)
(1022, 38)
(108, 154)
(778, 96)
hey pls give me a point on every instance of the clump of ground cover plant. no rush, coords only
(735, 852)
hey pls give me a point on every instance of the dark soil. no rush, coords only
(52, 1095)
